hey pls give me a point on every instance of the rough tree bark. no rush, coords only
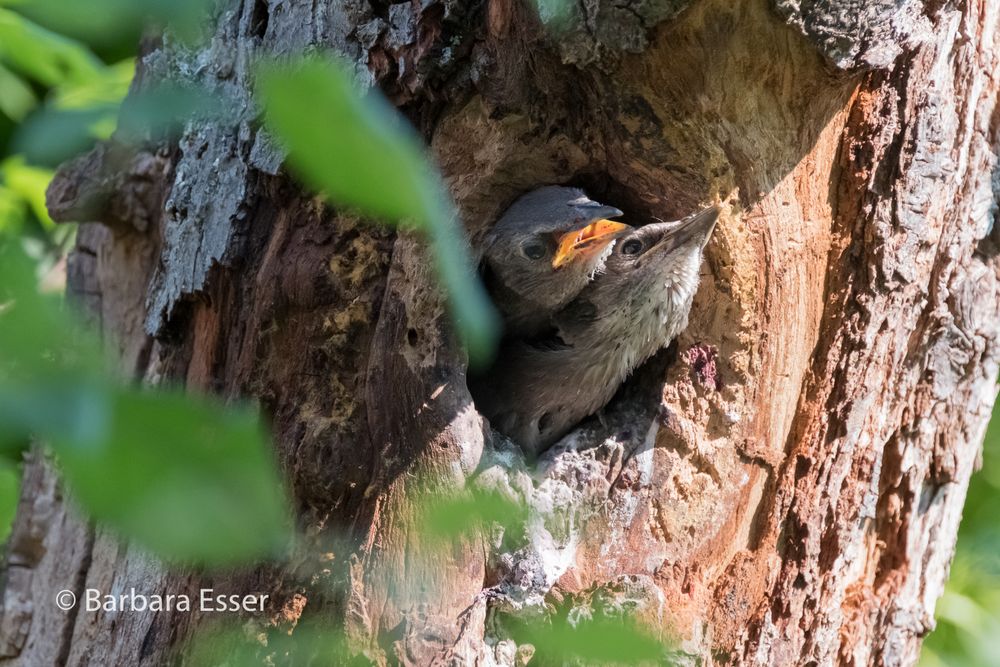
(781, 487)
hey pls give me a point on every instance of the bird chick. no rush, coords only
(538, 389)
(542, 251)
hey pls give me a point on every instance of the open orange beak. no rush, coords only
(587, 242)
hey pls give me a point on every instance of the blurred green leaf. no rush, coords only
(16, 96)
(308, 643)
(43, 55)
(359, 151)
(37, 337)
(186, 477)
(961, 610)
(192, 480)
(591, 641)
(167, 107)
(29, 184)
(26, 408)
(10, 491)
(54, 135)
(189, 478)
(109, 86)
(112, 22)
(12, 212)
(355, 148)
(81, 103)
(448, 517)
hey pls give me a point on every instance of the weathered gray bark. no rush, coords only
(782, 488)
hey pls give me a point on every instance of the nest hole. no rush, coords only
(638, 397)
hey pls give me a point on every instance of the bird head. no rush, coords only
(658, 264)
(657, 247)
(550, 242)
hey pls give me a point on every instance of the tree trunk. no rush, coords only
(783, 486)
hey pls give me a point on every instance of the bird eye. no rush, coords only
(533, 250)
(632, 247)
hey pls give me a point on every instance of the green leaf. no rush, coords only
(43, 55)
(28, 407)
(13, 212)
(28, 183)
(191, 480)
(354, 148)
(55, 134)
(359, 151)
(16, 96)
(83, 95)
(165, 109)
(52, 136)
(451, 516)
(188, 478)
(307, 643)
(10, 491)
(109, 87)
(38, 339)
(112, 23)
(598, 642)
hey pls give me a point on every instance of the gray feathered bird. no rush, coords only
(542, 251)
(538, 389)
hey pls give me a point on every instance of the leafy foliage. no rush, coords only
(43, 75)
(183, 477)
